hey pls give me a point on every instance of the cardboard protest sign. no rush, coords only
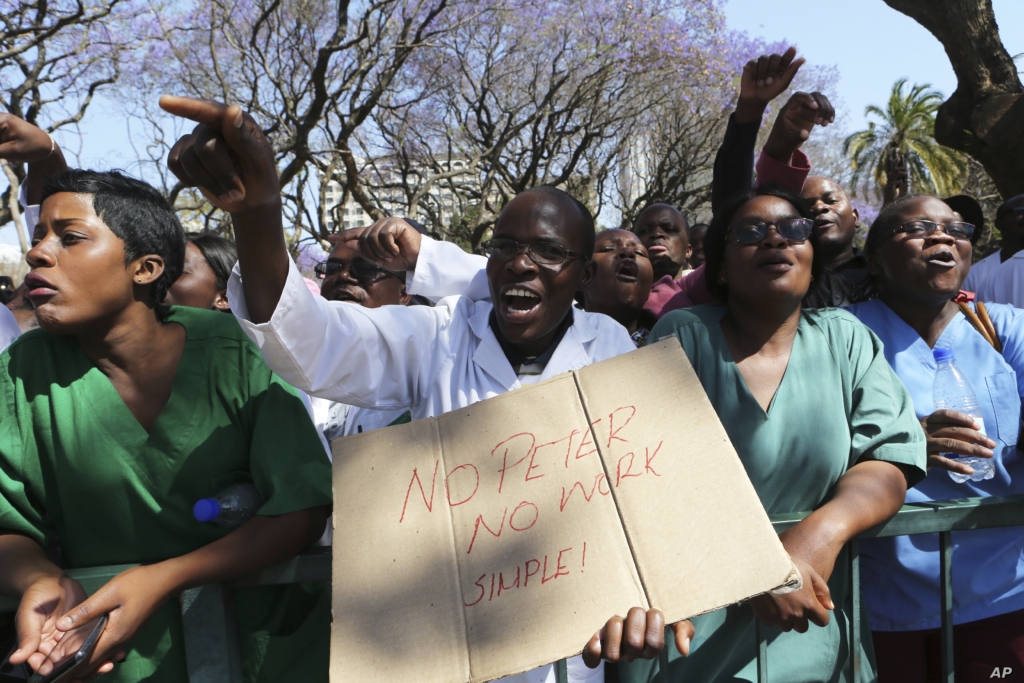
(500, 537)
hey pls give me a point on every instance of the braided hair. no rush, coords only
(138, 214)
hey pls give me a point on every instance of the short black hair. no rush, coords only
(586, 218)
(718, 232)
(220, 253)
(137, 213)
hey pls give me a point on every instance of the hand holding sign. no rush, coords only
(641, 635)
(226, 156)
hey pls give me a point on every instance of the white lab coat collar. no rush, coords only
(489, 356)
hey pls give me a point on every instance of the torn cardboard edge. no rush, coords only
(528, 519)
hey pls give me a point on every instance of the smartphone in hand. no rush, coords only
(70, 666)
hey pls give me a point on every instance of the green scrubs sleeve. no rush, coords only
(287, 460)
(21, 511)
(883, 424)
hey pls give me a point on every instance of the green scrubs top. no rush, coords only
(839, 403)
(75, 463)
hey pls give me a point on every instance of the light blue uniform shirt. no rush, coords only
(900, 576)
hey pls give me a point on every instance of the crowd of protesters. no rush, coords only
(816, 355)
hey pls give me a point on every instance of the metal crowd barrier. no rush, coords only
(211, 638)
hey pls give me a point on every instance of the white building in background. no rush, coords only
(393, 202)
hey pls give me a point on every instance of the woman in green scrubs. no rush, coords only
(820, 422)
(120, 413)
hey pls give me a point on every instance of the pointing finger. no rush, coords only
(201, 111)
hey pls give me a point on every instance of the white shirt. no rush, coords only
(1006, 283)
(9, 329)
(982, 271)
(428, 360)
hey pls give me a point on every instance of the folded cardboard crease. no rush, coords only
(500, 537)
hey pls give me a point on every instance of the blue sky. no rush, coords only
(871, 44)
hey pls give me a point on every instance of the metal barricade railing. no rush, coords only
(211, 637)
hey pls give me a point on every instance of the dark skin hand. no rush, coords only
(917, 277)
(663, 231)
(623, 278)
(640, 635)
(767, 282)
(763, 79)
(22, 142)
(53, 604)
(868, 494)
(897, 180)
(835, 220)
(794, 123)
(231, 162)
(390, 242)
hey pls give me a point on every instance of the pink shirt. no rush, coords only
(773, 172)
(668, 294)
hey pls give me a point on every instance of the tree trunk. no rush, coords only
(985, 115)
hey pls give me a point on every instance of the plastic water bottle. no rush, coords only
(232, 507)
(953, 391)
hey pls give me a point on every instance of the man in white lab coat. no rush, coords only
(430, 360)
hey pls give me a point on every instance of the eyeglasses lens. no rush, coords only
(793, 230)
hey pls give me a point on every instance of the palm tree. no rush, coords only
(907, 129)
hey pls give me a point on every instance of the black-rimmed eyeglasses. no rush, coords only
(363, 271)
(541, 253)
(922, 229)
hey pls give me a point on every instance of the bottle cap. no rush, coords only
(206, 509)
(942, 354)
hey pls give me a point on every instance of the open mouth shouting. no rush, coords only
(342, 294)
(627, 270)
(943, 258)
(519, 303)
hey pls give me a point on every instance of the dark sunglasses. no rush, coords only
(793, 230)
(922, 229)
(541, 253)
(363, 271)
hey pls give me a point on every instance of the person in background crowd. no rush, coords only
(122, 412)
(836, 223)
(919, 254)
(665, 234)
(21, 307)
(820, 422)
(346, 276)
(431, 360)
(203, 282)
(697, 233)
(999, 278)
(622, 282)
